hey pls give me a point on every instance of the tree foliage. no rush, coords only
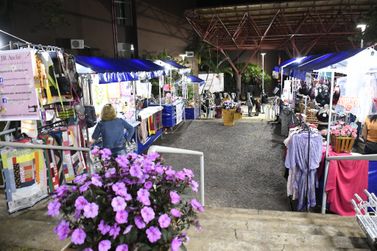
(253, 75)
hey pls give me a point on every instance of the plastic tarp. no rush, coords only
(195, 79)
(150, 69)
(174, 64)
(327, 60)
(292, 69)
(119, 70)
(358, 89)
(316, 62)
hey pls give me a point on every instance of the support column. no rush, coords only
(238, 83)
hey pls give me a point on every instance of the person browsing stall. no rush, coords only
(111, 129)
(370, 134)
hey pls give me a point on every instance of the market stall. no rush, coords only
(173, 101)
(41, 105)
(343, 90)
(125, 84)
(191, 95)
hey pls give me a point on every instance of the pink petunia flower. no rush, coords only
(148, 214)
(78, 236)
(174, 197)
(197, 206)
(176, 243)
(81, 202)
(104, 245)
(153, 234)
(164, 221)
(118, 203)
(121, 217)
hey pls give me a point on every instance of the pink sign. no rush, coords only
(348, 102)
(18, 98)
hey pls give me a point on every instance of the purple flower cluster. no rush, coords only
(132, 195)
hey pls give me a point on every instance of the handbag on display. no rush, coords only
(90, 116)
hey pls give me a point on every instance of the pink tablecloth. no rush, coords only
(345, 178)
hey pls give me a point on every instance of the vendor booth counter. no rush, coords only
(172, 114)
(192, 112)
(124, 77)
(150, 128)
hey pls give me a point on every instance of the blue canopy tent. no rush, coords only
(195, 79)
(174, 64)
(193, 111)
(315, 62)
(355, 62)
(119, 70)
(327, 60)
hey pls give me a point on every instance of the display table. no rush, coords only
(192, 112)
(150, 128)
(172, 114)
(345, 178)
(149, 111)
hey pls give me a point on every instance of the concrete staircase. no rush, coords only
(223, 229)
(245, 229)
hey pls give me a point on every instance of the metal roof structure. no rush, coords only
(298, 28)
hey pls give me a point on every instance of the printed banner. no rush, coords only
(18, 98)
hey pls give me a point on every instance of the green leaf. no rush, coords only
(156, 248)
(131, 237)
(144, 247)
(183, 247)
(165, 235)
(122, 239)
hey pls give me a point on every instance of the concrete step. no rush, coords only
(225, 245)
(244, 229)
(282, 225)
(279, 216)
(28, 234)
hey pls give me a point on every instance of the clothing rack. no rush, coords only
(306, 127)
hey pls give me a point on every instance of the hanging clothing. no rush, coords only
(143, 131)
(151, 126)
(303, 176)
(345, 178)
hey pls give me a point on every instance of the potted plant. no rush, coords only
(133, 202)
(229, 108)
(342, 137)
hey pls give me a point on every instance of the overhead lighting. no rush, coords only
(298, 60)
(362, 27)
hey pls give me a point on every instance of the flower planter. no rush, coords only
(228, 117)
(120, 193)
(237, 115)
(342, 144)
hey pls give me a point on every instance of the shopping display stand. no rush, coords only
(173, 112)
(44, 92)
(192, 98)
(344, 64)
(124, 75)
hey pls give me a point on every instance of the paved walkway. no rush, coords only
(243, 163)
(243, 170)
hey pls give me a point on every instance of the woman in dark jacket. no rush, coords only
(111, 129)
